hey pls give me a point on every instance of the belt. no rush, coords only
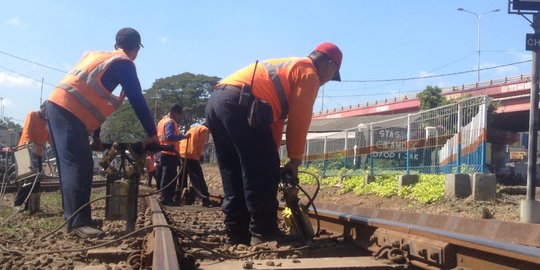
(230, 88)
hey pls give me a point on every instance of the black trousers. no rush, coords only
(149, 177)
(249, 165)
(196, 176)
(23, 191)
(169, 170)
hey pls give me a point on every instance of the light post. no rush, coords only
(478, 17)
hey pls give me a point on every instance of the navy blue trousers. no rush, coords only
(249, 165)
(75, 164)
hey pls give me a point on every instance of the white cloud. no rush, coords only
(524, 56)
(424, 81)
(502, 71)
(425, 74)
(518, 56)
(7, 80)
(164, 39)
(15, 21)
(8, 103)
(435, 81)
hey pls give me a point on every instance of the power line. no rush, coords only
(455, 61)
(26, 76)
(35, 63)
(356, 81)
(435, 76)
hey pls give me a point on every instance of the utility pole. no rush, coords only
(530, 207)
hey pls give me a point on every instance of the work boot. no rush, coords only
(17, 206)
(188, 196)
(86, 232)
(237, 237)
(206, 203)
(278, 236)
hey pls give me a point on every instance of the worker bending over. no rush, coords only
(77, 107)
(190, 151)
(35, 132)
(247, 133)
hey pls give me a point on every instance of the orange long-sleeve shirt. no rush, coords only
(300, 82)
(199, 136)
(34, 131)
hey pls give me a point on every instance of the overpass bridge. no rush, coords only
(512, 93)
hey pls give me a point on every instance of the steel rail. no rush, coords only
(475, 252)
(164, 251)
(55, 185)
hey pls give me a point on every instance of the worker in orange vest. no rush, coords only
(190, 151)
(169, 133)
(35, 132)
(77, 107)
(246, 115)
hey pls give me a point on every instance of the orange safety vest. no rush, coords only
(161, 134)
(82, 93)
(34, 131)
(287, 74)
(199, 136)
(270, 76)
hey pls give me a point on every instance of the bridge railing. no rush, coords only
(446, 139)
(446, 90)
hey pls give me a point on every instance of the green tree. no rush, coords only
(189, 90)
(123, 126)
(431, 98)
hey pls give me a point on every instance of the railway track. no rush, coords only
(370, 239)
(351, 238)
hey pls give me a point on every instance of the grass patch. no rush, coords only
(429, 189)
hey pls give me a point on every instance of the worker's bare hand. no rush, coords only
(96, 145)
(291, 169)
(294, 164)
(187, 135)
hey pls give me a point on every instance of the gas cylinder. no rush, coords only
(117, 206)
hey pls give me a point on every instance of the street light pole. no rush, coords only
(478, 18)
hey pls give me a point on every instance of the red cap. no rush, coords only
(334, 53)
(331, 50)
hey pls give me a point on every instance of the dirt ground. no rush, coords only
(506, 207)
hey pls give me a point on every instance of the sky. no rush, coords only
(381, 41)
